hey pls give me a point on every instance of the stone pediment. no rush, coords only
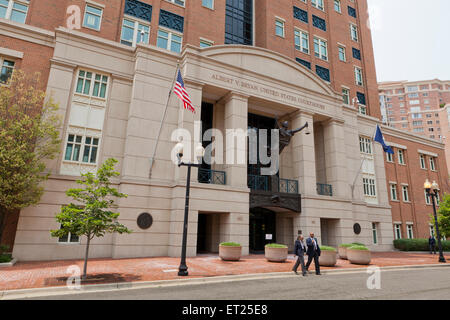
(269, 64)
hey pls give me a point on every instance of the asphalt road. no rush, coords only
(430, 284)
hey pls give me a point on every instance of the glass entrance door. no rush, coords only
(262, 229)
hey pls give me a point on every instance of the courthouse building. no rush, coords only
(246, 64)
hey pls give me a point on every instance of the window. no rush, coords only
(317, 4)
(205, 43)
(354, 32)
(13, 10)
(413, 95)
(320, 48)
(69, 238)
(427, 198)
(92, 17)
(374, 233)
(394, 196)
(398, 231)
(409, 231)
(358, 76)
(369, 187)
(405, 192)
(346, 95)
(342, 55)
(134, 32)
(179, 2)
(169, 41)
(432, 164)
(401, 154)
(422, 162)
(279, 28)
(365, 145)
(337, 6)
(92, 84)
(75, 143)
(7, 69)
(390, 157)
(412, 89)
(239, 22)
(208, 4)
(301, 40)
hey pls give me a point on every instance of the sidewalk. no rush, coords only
(26, 275)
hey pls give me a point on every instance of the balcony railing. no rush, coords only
(325, 189)
(212, 176)
(272, 183)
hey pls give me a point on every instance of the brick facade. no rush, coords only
(36, 40)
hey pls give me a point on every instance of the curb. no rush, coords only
(63, 290)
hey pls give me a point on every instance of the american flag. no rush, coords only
(181, 92)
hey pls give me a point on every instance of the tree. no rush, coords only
(29, 136)
(443, 216)
(91, 216)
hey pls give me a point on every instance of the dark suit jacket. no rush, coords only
(431, 241)
(311, 248)
(299, 251)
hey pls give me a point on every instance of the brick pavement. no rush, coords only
(54, 273)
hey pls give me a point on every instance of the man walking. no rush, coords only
(432, 244)
(313, 252)
(299, 251)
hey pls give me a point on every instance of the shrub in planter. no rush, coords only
(4, 256)
(276, 252)
(357, 254)
(327, 256)
(342, 250)
(230, 251)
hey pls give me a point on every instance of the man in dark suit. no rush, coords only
(299, 251)
(432, 244)
(313, 252)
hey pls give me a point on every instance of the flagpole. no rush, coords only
(152, 159)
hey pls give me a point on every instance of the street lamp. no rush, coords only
(432, 190)
(199, 153)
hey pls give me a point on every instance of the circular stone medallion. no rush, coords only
(145, 220)
(357, 228)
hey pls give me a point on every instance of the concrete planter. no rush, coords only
(359, 256)
(276, 254)
(229, 253)
(8, 264)
(342, 251)
(328, 258)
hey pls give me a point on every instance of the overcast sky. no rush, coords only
(411, 39)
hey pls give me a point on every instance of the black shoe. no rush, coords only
(318, 274)
(304, 274)
(295, 272)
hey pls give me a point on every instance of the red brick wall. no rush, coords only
(36, 58)
(417, 211)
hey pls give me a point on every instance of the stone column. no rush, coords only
(303, 153)
(335, 157)
(236, 124)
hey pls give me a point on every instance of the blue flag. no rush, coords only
(379, 138)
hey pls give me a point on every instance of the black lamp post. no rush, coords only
(199, 152)
(432, 191)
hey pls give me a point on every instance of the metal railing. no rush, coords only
(272, 183)
(212, 176)
(325, 189)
